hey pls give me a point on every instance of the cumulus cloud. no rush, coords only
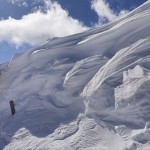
(104, 11)
(38, 26)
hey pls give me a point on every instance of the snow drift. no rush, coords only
(86, 91)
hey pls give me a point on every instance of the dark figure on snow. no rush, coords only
(12, 106)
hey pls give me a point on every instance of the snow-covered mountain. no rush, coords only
(89, 91)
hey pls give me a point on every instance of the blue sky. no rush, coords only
(27, 23)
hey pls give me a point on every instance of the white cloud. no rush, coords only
(103, 10)
(18, 2)
(36, 27)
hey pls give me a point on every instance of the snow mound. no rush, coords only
(132, 80)
(85, 91)
(111, 72)
(83, 71)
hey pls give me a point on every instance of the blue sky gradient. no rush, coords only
(81, 10)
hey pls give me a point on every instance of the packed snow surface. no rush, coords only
(89, 91)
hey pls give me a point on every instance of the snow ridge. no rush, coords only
(88, 91)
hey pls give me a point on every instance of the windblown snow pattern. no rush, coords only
(88, 91)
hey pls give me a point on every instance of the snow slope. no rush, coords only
(88, 91)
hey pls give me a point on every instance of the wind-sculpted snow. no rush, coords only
(83, 71)
(138, 53)
(89, 91)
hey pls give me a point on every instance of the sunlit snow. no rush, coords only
(88, 91)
